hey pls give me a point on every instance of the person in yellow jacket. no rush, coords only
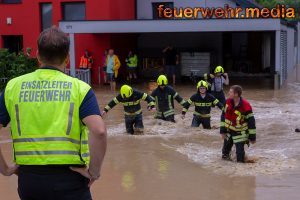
(50, 114)
(112, 67)
(132, 63)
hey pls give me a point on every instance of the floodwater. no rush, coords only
(177, 162)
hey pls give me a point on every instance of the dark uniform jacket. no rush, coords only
(132, 104)
(202, 105)
(164, 100)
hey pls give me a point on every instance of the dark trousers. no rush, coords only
(135, 121)
(240, 151)
(205, 121)
(49, 183)
(220, 96)
(169, 118)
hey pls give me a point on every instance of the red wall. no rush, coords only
(26, 21)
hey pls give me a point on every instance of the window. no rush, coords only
(10, 1)
(14, 43)
(73, 11)
(46, 15)
(155, 9)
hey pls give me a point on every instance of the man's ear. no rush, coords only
(38, 56)
(67, 60)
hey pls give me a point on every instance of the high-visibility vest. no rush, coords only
(45, 124)
(85, 62)
(132, 61)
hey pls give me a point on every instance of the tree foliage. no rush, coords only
(13, 65)
(289, 3)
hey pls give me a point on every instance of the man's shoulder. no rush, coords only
(246, 104)
(170, 88)
(19, 79)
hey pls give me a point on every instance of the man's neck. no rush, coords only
(59, 67)
(236, 101)
(203, 95)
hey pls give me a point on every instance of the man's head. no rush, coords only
(86, 53)
(111, 52)
(235, 92)
(53, 47)
(202, 87)
(106, 51)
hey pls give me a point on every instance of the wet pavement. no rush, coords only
(176, 161)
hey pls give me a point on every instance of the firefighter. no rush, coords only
(130, 99)
(237, 124)
(217, 81)
(203, 102)
(164, 96)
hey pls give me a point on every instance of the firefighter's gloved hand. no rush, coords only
(182, 116)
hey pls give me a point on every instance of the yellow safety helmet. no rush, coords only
(219, 69)
(126, 91)
(162, 80)
(202, 84)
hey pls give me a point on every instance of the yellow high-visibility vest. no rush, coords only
(45, 124)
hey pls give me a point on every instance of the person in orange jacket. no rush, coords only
(112, 67)
(86, 60)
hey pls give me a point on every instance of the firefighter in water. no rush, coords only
(203, 102)
(86, 61)
(217, 81)
(164, 96)
(237, 124)
(130, 99)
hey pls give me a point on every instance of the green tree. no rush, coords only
(289, 3)
(13, 65)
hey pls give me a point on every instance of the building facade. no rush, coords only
(253, 47)
(21, 22)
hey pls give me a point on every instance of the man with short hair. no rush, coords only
(237, 124)
(50, 114)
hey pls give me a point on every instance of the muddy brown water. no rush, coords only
(175, 161)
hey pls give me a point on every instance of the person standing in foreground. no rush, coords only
(49, 114)
(237, 124)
